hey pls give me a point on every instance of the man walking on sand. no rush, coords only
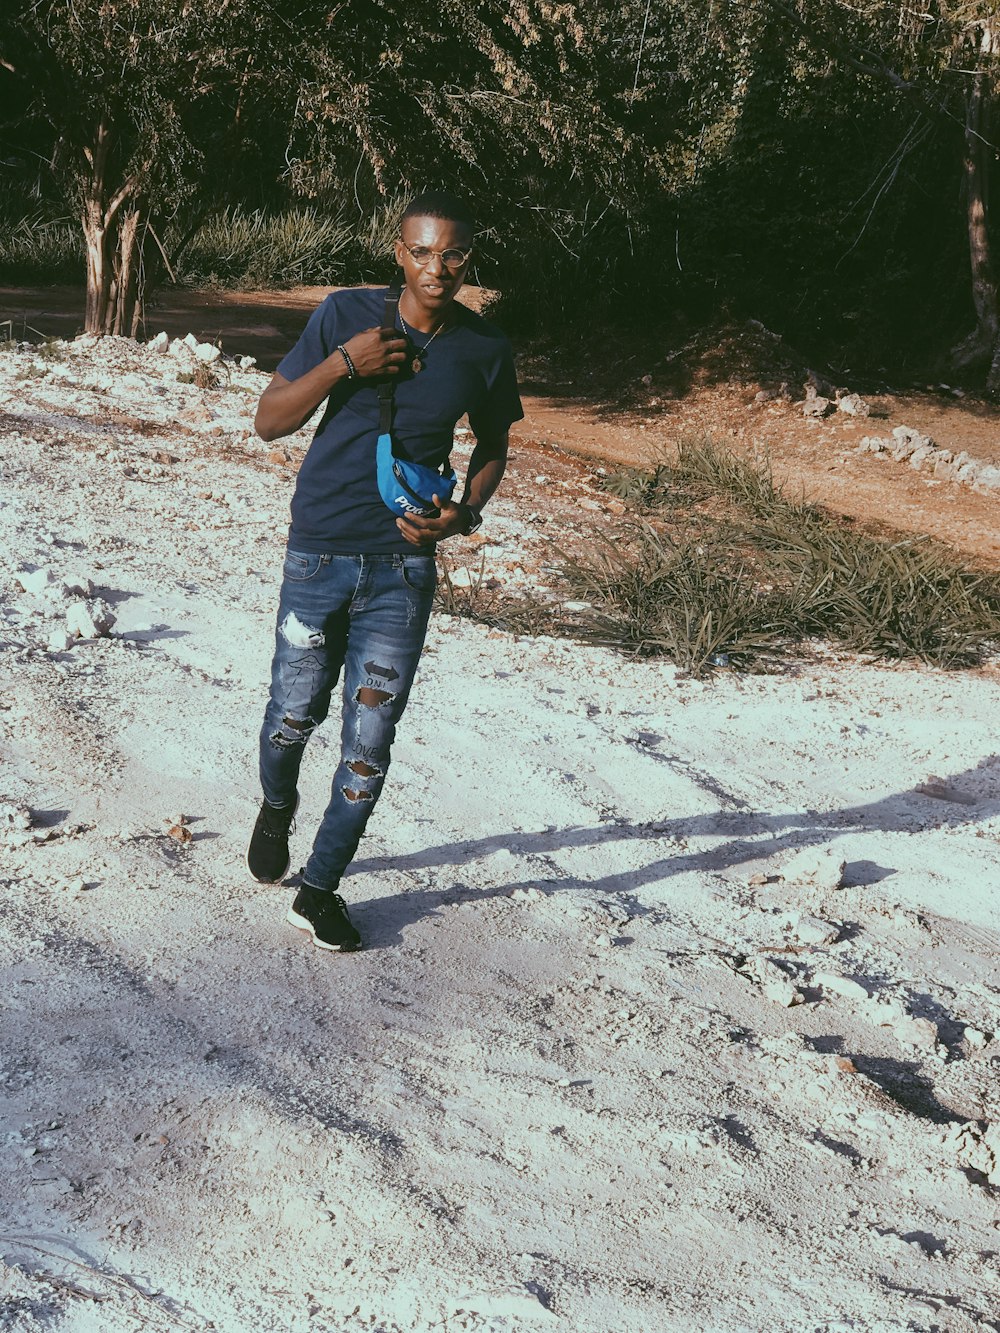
(359, 576)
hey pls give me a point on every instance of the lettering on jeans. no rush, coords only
(367, 751)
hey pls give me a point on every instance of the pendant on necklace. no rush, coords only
(416, 365)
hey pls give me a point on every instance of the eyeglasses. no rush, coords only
(422, 254)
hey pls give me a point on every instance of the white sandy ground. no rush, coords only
(552, 1091)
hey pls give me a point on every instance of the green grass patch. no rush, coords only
(722, 567)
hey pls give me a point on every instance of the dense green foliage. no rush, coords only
(802, 163)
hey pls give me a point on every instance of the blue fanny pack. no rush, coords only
(405, 487)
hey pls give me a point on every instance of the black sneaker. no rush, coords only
(267, 855)
(324, 915)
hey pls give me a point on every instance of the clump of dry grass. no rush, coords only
(484, 600)
(722, 566)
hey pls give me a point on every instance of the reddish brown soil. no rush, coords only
(706, 388)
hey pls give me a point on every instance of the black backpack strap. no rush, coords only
(387, 387)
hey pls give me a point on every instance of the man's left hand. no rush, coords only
(453, 519)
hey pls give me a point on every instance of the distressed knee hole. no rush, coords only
(364, 770)
(358, 795)
(293, 731)
(370, 698)
(294, 632)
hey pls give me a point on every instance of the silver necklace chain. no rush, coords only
(409, 333)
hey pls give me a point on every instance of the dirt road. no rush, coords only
(816, 457)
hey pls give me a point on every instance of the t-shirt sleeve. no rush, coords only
(501, 405)
(318, 340)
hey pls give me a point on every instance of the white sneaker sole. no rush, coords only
(304, 924)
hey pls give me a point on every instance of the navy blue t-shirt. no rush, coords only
(468, 367)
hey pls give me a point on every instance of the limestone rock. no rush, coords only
(90, 620)
(79, 585)
(40, 583)
(813, 929)
(158, 344)
(514, 1303)
(14, 818)
(978, 1148)
(913, 438)
(818, 866)
(207, 352)
(773, 980)
(846, 986)
(852, 404)
(59, 640)
(462, 578)
(816, 406)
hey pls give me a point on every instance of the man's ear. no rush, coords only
(399, 252)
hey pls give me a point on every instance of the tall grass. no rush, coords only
(37, 248)
(240, 248)
(236, 248)
(722, 566)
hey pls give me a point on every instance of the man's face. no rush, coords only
(433, 284)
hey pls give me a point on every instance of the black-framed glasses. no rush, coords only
(423, 254)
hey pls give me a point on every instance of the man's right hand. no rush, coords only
(285, 405)
(376, 353)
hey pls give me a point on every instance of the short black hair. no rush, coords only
(439, 204)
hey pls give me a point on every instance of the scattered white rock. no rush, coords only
(14, 818)
(59, 640)
(818, 866)
(921, 1032)
(90, 620)
(78, 585)
(207, 352)
(846, 986)
(35, 581)
(976, 1039)
(813, 929)
(463, 578)
(774, 981)
(852, 404)
(978, 1148)
(514, 1302)
(248, 363)
(158, 344)
(908, 440)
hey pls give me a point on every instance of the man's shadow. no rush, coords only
(753, 837)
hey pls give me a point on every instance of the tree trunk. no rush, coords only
(982, 346)
(113, 231)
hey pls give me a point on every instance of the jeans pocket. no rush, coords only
(419, 573)
(301, 565)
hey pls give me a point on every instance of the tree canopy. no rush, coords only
(818, 165)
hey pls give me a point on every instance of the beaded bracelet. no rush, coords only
(351, 372)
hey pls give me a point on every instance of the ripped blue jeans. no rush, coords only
(366, 615)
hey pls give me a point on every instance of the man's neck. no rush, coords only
(422, 321)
